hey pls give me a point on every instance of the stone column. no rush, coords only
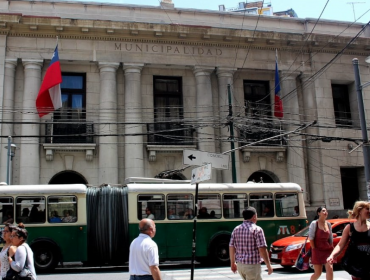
(315, 189)
(29, 147)
(8, 109)
(225, 77)
(134, 147)
(295, 155)
(108, 145)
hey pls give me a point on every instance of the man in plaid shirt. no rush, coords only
(248, 248)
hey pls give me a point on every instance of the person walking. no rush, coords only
(7, 250)
(23, 258)
(359, 247)
(247, 248)
(321, 241)
(144, 259)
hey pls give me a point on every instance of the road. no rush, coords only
(181, 273)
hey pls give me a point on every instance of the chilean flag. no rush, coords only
(278, 108)
(49, 98)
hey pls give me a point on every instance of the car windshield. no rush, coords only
(303, 232)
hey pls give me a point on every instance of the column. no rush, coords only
(315, 189)
(29, 147)
(134, 148)
(108, 145)
(225, 77)
(8, 109)
(295, 155)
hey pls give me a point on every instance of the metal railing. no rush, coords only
(162, 133)
(69, 131)
(256, 130)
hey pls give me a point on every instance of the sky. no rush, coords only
(343, 10)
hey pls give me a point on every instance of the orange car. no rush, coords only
(285, 251)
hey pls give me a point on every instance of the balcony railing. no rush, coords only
(256, 130)
(162, 133)
(69, 131)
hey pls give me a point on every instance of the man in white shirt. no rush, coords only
(144, 260)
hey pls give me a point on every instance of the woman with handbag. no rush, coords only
(22, 266)
(357, 257)
(321, 241)
(7, 250)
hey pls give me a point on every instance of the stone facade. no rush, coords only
(121, 49)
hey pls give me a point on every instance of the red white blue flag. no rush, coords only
(278, 108)
(49, 98)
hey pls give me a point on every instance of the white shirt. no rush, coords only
(143, 254)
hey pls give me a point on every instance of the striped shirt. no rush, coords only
(246, 239)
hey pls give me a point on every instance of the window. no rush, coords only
(6, 211)
(151, 206)
(286, 204)
(341, 103)
(257, 99)
(30, 209)
(234, 205)
(180, 206)
(62, 209)
(168, 112)
(209, 206)
(263, 203)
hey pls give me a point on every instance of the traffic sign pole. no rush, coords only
(194, 232)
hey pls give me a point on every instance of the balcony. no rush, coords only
(69, 136)
(69, 131)
(256, 130)
(169, 138)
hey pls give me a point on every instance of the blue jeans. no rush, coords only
(144, 277)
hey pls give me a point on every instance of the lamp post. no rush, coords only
(361, 110)
(11, 152)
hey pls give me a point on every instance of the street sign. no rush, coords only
(194, 157)
(201, 174)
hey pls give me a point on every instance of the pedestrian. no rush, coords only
(321, 241)
(22, 262)
(144, 259)
(359, 246)
(7, 250)
(248, 248)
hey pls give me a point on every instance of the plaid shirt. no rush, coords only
(246, 239)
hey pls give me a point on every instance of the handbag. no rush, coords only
(303, 259)
(24, 274)
(350, 261)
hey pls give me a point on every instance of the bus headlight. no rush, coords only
(293, 247)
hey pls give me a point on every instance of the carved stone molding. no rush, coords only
(50, 149)
(154, 149)
(248, 151)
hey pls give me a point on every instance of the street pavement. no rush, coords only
(169, 273)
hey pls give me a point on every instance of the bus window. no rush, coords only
(286, 204)
(62, 209)
(151, 206)
(179, 206)
(263, 203)
(30, 209)
(209, 206)
(6, 211)
(234, 204)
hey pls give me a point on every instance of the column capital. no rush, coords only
(32, 63)
(203, 70)
(305, 76)
(108, 66)
(132, 67)
(225, 71)
(289, 75)
(11, 63)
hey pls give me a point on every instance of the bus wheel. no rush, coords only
(220, 251)
(45, 256)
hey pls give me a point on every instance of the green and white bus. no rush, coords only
(96, 225)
